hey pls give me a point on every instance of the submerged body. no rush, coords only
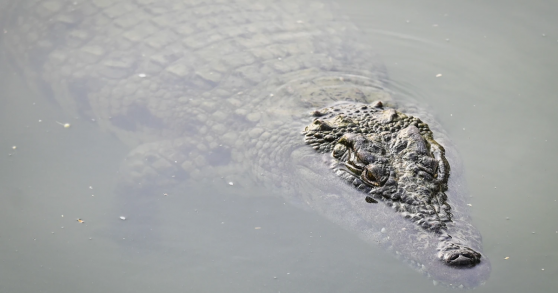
(201, 89)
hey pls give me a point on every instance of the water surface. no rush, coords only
(495, 94)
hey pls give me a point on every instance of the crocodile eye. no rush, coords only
(369, 178)
(369, 175)
(339, 150)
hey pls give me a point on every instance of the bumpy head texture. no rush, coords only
(393, 158)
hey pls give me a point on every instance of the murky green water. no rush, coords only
(496, 97)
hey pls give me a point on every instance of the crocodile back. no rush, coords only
(147, 70)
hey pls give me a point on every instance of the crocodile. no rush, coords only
(278, 94)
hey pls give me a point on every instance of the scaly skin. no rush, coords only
(210, 89)
(391, 157)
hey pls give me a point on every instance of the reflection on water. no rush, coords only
(494, 94)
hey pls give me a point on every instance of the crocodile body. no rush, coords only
(209, 89)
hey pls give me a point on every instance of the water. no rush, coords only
(495, 98)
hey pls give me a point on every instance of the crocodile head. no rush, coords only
(393, 158)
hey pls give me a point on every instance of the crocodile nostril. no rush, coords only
(454, 257)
